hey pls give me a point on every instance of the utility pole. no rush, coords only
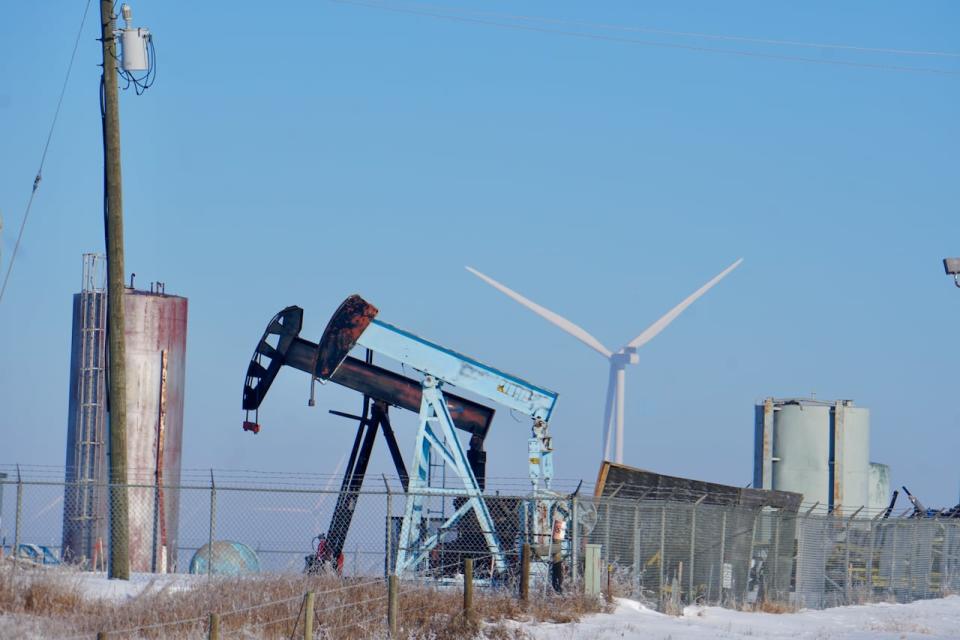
(116, 371)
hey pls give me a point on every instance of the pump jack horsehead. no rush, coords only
(355, 325)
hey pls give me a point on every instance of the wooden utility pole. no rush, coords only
(116, 373)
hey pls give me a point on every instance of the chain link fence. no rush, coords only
(664, 550)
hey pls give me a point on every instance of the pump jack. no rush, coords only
(441, 413)
(281, 345)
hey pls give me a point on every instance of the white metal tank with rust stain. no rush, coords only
(817, 448)
(156, 341)
(156, 332)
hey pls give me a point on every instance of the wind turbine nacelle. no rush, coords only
(631, 353)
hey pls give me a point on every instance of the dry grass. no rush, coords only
(53, 603)
(772, 606)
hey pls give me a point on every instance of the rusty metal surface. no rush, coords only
(393, 388)
(329, 360)
(341, 334)
(629, 483)
(156, 335)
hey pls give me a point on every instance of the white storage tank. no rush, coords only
(879, 489)
(818, 448)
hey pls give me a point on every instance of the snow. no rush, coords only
(927, 619)
(96, 585)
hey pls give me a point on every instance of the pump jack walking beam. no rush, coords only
(281, 345)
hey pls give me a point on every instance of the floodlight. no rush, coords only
(952, 267)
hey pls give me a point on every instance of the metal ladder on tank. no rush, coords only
(89, 437)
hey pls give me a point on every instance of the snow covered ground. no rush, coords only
(924, 619)
(927, 619)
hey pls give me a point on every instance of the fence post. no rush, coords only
(308, 617)
(776, 557)
(213, 630)
(892, 581)
(606, 531)
(101, 635)
(17, 520)
(387, 570)
(636, 546)
(693, 547)
(753, 538)
(525, 573)
(575, 541)
(468, 587)
(846, 544)
(393, 603)
(663, 538)
(213, 520)
(723, 554)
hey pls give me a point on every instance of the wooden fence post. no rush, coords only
(213, 630)
(393, 604)
(308, 617)
(468, 587)
(525, 573)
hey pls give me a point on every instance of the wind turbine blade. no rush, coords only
(576, 331)
(651, 332)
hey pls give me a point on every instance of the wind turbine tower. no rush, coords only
(613, 415)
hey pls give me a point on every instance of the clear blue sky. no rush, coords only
(295, 153)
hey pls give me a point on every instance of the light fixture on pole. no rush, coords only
(952, 267)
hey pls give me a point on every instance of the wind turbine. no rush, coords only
(627, 354)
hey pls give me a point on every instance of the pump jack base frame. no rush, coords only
(436, 434)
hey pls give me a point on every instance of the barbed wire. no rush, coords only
(356, 623)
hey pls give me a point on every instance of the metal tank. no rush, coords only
(155, 332)
(84, 500)
(156, 340)
(817, 448)
(878, 492)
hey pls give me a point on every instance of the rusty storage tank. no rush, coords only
(156, 343)
(155, 333)
(818, 448)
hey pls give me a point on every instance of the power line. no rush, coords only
(682, 34)
(43, 156)
(649, 43)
